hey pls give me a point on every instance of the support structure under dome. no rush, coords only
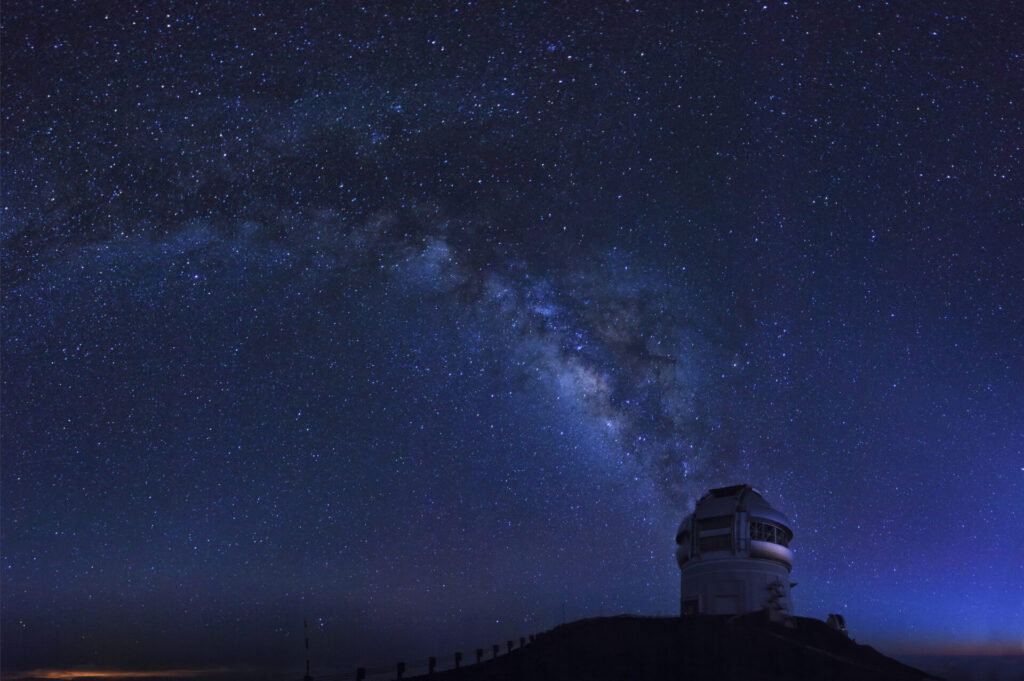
(733, 552)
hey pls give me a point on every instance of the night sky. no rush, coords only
(427, 323)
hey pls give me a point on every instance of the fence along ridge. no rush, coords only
(399, 668)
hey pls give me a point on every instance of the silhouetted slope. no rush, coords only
(629, 648)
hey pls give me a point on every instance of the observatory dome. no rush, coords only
(733, 552)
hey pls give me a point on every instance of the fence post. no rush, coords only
(510, 644)
(495, 647)
(522, 641)
(458, 660)
(401, 669)
(479, 655)
(431, 664)
(360, 673)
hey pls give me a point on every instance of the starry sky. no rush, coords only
(427, 322)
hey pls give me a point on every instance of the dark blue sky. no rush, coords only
(420, 322)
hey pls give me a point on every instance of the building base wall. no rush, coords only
(732, 586)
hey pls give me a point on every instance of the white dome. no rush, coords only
(734, 553)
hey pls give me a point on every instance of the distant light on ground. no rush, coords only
(118, 673)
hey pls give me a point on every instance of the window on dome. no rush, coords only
(761, 530)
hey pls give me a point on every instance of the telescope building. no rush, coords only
(733, 552)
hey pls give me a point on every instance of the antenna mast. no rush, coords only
(305, 630)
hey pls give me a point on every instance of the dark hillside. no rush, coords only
(630, 648)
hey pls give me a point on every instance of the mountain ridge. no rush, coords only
(635, 648)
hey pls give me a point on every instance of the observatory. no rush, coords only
(733, 551)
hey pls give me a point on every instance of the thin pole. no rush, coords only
(305, 631)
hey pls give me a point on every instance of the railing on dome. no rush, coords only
(762, 530)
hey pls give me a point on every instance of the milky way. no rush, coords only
(428, 325)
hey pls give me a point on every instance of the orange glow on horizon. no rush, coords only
(117, 673)
(965, 649)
